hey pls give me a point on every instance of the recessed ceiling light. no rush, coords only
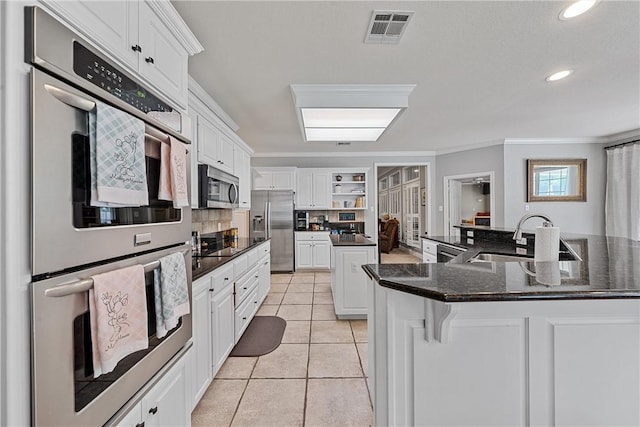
(576, 8)
(342, 113)
(559, 75)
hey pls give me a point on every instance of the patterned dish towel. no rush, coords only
(118, 173)
(171, 293)
(173, 173)
(118, 316)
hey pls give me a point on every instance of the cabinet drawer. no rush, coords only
(264, 249)
(221, 278)
(312, 235)
(240, 265)
(246, 284)
(252, 257)
(245, 313)
(429, 258)
(430, 247)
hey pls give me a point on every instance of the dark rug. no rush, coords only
(262, 336)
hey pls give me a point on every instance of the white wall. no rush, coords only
(572, 217)
(473, 201)
(484, 159)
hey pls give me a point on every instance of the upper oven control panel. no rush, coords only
(99, 72)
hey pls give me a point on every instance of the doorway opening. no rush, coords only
(403, 204)
(468, 200)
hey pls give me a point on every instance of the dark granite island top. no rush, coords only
(609, 269)
(350, 240)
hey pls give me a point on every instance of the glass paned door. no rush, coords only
(411, 220)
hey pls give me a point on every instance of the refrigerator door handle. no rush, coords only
(266, 220)
(269, 217)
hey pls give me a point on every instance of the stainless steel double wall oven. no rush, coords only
(73, 240)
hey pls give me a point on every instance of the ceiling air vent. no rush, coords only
(387, 27)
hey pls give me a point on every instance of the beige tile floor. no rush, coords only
(316, 377)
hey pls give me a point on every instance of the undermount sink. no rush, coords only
(563, 255)
(493, 257)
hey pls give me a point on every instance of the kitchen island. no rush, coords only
(348, 282)
(487, 343)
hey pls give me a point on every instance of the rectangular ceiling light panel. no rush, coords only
(348, 117)
(343, 134)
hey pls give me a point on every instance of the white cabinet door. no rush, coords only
(222, 325)
(225, 154)
(242, 169)
(262, 180)
(111, 24)
(208, 142)
(304, 254)
(166, 404)
(283, 181)
(304, 189)
(163, 61)
(264, 273)
(322, 254)
(321, 190)
(202, 354)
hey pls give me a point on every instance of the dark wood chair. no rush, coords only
(389, 237)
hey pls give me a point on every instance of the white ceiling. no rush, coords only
(479, 68)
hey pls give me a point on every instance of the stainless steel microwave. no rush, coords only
(216, 188)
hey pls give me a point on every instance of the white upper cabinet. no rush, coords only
(274, 178)
(242, 169)
(313, 189)
(162, 60)
(214, 148)
(149, 38)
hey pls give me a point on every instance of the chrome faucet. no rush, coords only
(517, 235)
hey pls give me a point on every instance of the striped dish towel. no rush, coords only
(171, 292)
(117, 161)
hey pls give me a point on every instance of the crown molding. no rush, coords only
(176, 25)
(469, 147)
(350, 154)
(554, 141)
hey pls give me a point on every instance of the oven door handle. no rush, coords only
(83, 285)
(84, 104)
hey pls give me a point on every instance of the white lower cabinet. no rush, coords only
(429, 251)
(202, 374)
(224, 302)
(222, 326)
(264, 280)
(166, 404)
(313, 250)
(349, 282)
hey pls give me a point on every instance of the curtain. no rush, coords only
(622, 207)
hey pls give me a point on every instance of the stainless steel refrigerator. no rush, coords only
(272, 217)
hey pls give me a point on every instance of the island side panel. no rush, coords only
(349, 281)
(540, 363)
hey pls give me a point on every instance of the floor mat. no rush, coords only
(262, 336)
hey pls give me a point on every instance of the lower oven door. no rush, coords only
(64, 390)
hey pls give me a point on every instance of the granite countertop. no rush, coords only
(201, 265)
(609, 269)
(350, 240)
